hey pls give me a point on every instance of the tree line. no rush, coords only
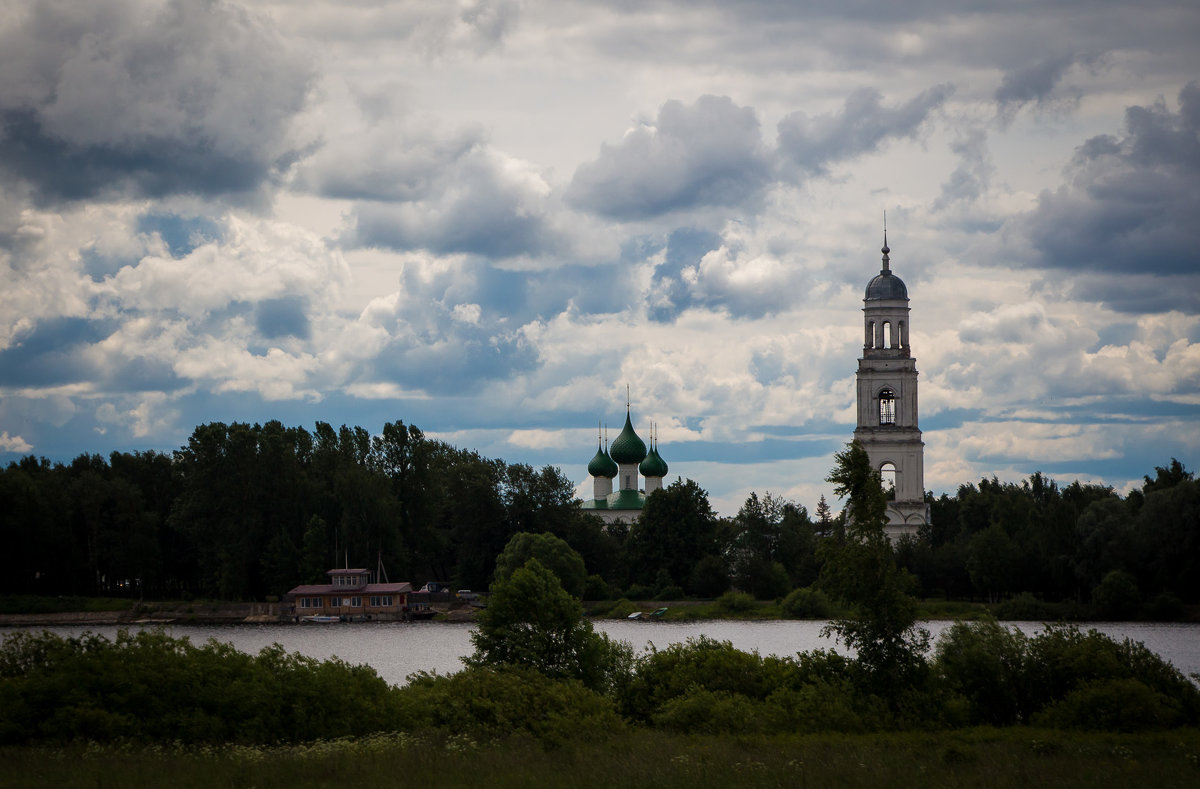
(540, 669)
(248, 511)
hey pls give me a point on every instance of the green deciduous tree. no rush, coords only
(532, 622)
(677, 528)
(554, 554)
(862, 572)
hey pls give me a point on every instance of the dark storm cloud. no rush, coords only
(283, 317)
(1136, 295)
(971, 177)
(52, 353)
(709, 153)
(1034, 83)
(1130, 203)
(864, 124)
(155, 168)
(111, 97)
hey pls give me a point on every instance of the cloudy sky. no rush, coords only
(487, 218)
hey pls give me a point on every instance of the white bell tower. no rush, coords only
(887, 401)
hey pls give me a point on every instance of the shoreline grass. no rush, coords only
(981, 757)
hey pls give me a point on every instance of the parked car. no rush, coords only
(435, 587)
(466, 595)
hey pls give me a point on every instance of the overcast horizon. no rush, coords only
(488, 218)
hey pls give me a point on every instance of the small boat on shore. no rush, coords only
(321, 619)
(643, 616)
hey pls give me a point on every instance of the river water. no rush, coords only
(398, 649)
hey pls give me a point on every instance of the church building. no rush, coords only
(887, 401)
(624, 461)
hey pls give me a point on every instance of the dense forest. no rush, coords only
(248, 511)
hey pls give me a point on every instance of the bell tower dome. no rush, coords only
(887, 401)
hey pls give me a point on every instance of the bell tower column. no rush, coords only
(887, 401)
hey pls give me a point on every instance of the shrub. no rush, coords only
(499, 702)
(735, 602)
(1062, 660)
(698, 663)
(1123, 705)
(1165, 607)
(984, 663)
(1117, 596)
(701, 711)
(806, 603)
(596, 589)
(150, 686)
(669, 593)
(622, 609)
(639, 592)
(1025, 608)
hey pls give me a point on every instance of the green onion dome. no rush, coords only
(628, 448)
(653, 465)
(602, 465)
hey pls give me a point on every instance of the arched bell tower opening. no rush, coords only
(887, 401)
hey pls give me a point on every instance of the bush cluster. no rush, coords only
(152, 687)
(149, 687)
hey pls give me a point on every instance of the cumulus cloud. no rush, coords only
(708, 153)
(126, 96)
(742, 277)
(393, 159)
(14, 444)
(255, 261)
(812, 144)
(1129, 204)
(484, 204)
(447, 350)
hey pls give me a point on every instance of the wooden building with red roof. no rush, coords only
(349, 595)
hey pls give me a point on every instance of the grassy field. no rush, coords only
(1016, 757)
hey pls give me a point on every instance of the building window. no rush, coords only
(887, 478)
(887, 407)
(335, 602)
(356, 602)
(378, 601)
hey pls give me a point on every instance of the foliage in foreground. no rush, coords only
(975, 757)
(150, 687)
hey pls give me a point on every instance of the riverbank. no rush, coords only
(45, 612)
(150, 614)
(1014, 757)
